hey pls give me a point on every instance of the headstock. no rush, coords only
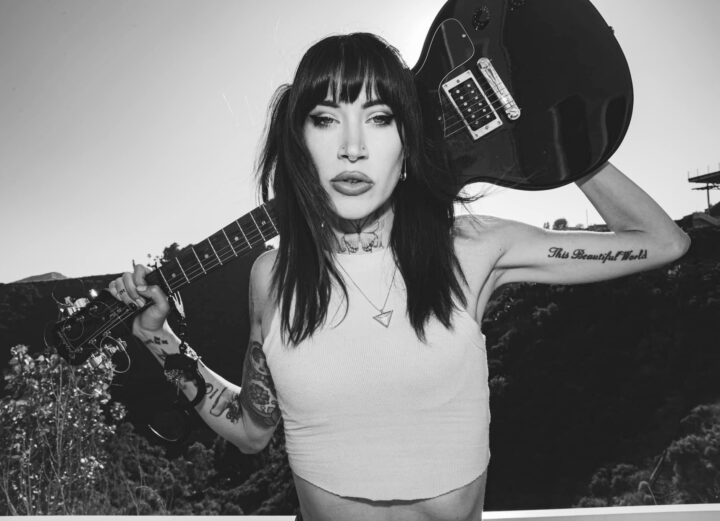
(88, 327)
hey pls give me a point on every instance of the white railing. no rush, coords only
(709, 512)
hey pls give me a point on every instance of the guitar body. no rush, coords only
(568, 92)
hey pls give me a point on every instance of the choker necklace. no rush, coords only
(383, 317)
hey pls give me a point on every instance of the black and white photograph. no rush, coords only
(411, 260)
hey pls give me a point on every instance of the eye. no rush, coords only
(382, 119)
(320, 121)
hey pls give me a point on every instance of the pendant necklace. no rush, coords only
(383, 317)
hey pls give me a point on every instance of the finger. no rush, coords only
(132, 296)
(139, 273)
(157, 296)
(112, 289)
(117, 290)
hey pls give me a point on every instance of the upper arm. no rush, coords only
(258, 397)
(532, 254)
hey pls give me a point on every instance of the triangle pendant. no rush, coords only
(384, 318)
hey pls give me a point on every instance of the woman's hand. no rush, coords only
(132, 289)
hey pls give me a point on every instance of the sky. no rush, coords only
(126, 125)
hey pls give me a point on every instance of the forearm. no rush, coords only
(220, 408)
(626, 208)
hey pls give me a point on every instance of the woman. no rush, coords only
(365, 322)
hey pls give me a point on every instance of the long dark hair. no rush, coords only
(421, 237)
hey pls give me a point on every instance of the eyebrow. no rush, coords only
(335, 105)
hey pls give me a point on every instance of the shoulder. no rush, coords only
(481, 241)
(488, 231)
(478, 242)
(261, 283)
(473, 232)
(263, 266)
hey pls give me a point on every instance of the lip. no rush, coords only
(351, 183)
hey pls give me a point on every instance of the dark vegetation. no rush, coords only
(602, 394)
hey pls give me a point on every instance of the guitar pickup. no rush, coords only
(475, 110)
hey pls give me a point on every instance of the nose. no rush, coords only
(353, 146)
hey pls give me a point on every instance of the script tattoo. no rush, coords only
(223, 401)
(609, 256)
(258, 390)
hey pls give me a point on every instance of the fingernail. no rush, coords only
(140, 302)
(141, 288)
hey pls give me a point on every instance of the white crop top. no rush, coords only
(373, 412)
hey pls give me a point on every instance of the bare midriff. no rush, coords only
(462, 504)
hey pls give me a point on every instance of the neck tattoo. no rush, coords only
(365, 240)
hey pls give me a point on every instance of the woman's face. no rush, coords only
(357, 151)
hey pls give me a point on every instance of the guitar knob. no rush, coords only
(481, 17)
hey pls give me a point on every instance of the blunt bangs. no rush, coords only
(341, 67)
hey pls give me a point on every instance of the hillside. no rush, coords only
(582, 377)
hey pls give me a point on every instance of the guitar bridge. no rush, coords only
(475, 110)
(512, 111)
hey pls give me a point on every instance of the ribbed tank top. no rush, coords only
(373, 412)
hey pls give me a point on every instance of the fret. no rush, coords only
(168, 288)
(156, 278)
(243, 232)
(177, 259)
(236, 238)
(207, 255)
(198, 259)
(228, 241)
(258, 227)
(219, 242)
(214, 250)
(264, 207)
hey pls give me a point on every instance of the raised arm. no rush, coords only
(642, 237)
(245, 415)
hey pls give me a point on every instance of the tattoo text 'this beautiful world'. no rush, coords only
(579, 254)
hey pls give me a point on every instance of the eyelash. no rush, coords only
(379, 120)
(383, 120)
(321, 121)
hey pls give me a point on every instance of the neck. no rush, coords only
(364, 235)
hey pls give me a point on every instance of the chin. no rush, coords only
(353, 210)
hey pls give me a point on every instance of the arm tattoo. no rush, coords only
(258, 390)
(156, 340)
(609, 256)
(257, 393)
(223, 400)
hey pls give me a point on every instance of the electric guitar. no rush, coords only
(528, 94)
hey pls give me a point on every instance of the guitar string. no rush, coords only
(192, 275)
(456, 119)
(492, 98)
(226, 251)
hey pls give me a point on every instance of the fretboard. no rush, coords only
(237, 239)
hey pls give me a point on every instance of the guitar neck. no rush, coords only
(237, 239)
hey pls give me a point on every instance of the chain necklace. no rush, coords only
(383, 317)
